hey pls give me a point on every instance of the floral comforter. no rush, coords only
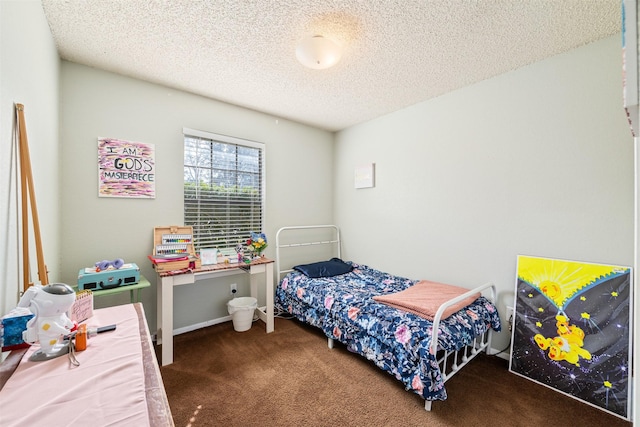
(396, 341)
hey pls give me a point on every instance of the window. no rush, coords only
(223, 188)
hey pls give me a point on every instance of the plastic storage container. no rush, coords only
(241, 310)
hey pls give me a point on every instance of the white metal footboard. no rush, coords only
(451, 362)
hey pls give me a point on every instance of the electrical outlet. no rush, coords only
(510, 317)
(233, 288)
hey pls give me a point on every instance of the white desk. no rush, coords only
(166, 282)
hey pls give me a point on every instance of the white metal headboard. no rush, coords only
(284, 230)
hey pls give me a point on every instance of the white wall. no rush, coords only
(538, 161)
(29, 75)
(100, 104)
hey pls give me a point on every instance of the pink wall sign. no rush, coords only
(126, 169)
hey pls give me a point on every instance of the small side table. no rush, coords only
(142, 283)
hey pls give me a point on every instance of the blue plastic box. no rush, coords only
(88, 278)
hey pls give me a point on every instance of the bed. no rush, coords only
(421, 353)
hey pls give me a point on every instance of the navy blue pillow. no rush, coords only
(333, 267)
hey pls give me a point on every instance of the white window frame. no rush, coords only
(187, 132)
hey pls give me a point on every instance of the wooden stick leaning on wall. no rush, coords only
(27, 187)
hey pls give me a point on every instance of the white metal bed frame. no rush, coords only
(450, 362)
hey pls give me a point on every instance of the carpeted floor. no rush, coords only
(290, 377)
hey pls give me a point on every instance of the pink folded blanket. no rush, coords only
(424, 298)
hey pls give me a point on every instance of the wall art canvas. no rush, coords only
(126, 169)
(571, 330)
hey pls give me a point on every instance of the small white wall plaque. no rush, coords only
(365, 176)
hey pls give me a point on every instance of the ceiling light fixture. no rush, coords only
(318, 52)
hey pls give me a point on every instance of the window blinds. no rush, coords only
(223, 188)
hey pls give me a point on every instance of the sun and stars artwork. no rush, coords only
(571, 330)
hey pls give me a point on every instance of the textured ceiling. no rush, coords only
(396, 52)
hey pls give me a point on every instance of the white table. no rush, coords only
(117, 379)
(166, 282)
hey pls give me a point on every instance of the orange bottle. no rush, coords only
(81, 337)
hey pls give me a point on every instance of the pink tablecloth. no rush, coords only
(108, 388)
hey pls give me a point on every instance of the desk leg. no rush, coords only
(267, 315)
(269, 290)
(165, 318)
(158, 310)
(253, 285)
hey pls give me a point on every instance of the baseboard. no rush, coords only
(503, 355)
(195, 326)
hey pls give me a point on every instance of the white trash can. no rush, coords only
(241, 311)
